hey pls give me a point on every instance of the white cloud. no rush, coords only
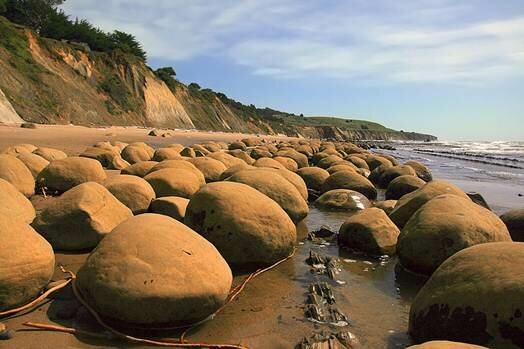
(380, 41)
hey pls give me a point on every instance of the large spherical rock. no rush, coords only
(81, 217)
(386, 205)
(227, 159)
(375, 161)
(403, 185)
(168, 153)
(245, 233)
(375, 175)
(134, 192)
(28, 263)
(288, 163)
(15, 172)
(328, 161)
(14, 205)
(140, 169)
(299, 158)
(514, 220)
(243, 155)
(360, 163)
(174, 182)
(444, 226)
(103, 155)
(210, 168)
(314, 177)
(370, 231)
(277, 188)
(33, 162)
(475, 296)
(136, 153)
(422, 171)
(62, 175)
(172, 206)
(180, 164)
(352, 181)
(268, 162)
(445, 345)
(50, 154)
(343, 199)
(292, 178)
(20, 149)
(237, 145)
(393, 172)
(341, 167)
(152, 269)
(411, 202)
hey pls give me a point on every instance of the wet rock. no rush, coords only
(175, 182)
(154, 133)
(330, 340)
(277, 188)
(314, 177)
(352, 181)
(475, 296)
(387, 205)
(514, 221)
(172, 206)
(152, 270)
(5, 334)
(244, 233)
(478, 199)
(343, 199)
(63, 309)
(403, 185)
(411, 202)
(50, 154)
(62, 175)
(28, 263)
(324, 265)
(393, 172)
(140, 169)
(375, 175)
(14, 205)
(375, 161)
(134, 192)
(15, 172)
(369, 231)
(33, 162)
(444, 226)
(81, 217)
(422, 171)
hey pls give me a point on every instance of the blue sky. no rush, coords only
(451, 68)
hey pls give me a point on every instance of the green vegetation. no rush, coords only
(15, 42)
(167, 75)
(45, 18)
(118, 92)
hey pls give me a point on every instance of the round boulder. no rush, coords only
(140, 169)
(33, 162)
(445, 345)
(62, 175)
(314, 177)
(386, 205)
(210, 168)
(352, 181)
(422, 171)
(393, 172)
(168, 153)
(410, 203)
(277, 188)
(475, 296)
(268, 162)
(246, 234)
(134, 192)
(369, 231)
(81, 217)
(444, 226)
(514, 220)
(136, 153)
(403, 185)
(14, 205)
(288, 163)
(180, 164)
(343, 199)
(50, 154)
(227, 159)
(28, 263)
(15, 172)
(172, 206)
(174, 182)
(152, 269)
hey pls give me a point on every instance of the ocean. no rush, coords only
(493, 169)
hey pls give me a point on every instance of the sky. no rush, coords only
(454, 69)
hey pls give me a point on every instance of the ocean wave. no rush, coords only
(515, 163)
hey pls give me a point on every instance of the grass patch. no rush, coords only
(118, 92)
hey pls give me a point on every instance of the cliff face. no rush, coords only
(331, 132)
(47, 81)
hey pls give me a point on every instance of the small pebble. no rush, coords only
(5, 334)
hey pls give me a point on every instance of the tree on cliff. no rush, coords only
(167, 75)
(128, 44)
(32, 13)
